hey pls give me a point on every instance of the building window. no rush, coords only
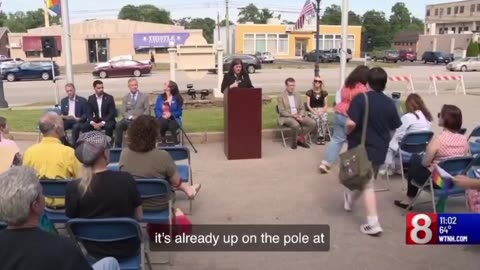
(428, 12)
(465, 28)
(249, 43)
(260, 43)
(453, 30)
(456, 10)
(472, 8)
(161, 50)
(478, 7)
(462, 9)
(436, 12)
(459, 30)
(449, 11)
(283, 44)
(142, 51)
(441, 11)
(33, 54)
(273, 43)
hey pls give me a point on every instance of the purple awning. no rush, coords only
(158, 40)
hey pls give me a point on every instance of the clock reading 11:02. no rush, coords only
(447, 220)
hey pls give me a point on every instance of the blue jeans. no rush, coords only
(107, 263)
(338, 139)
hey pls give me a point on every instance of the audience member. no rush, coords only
(101, 111)
(382, 121)
(418, 118)
(237, 76)
(101, 193)
(355, 84)
(448, 144)
(134, 104)
(50, 158)
(317, 105)
(292, 114)
(24, 246)
(73, 111)
(169, 110)
(143, 160)
(11, 153)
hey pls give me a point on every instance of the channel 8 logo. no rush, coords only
(422, 229)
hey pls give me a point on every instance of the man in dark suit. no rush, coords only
(101, 111)
(74, 111)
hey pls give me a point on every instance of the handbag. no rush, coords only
(355, 168)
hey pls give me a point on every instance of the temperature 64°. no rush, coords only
(444, 229)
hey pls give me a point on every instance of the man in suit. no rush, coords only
(134, 104)
(74, 111)
(292, 114)
(101, 111)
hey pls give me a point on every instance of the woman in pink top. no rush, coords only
(4, 142)
(448, 144)
(355, 84)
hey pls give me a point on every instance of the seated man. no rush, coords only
(73, 111)
(23, 245)
(101, 111)
(50, 158)
(292, 114)
(134, 104)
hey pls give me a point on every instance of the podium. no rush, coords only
(243, 123)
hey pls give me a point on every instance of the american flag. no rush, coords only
(308, 8)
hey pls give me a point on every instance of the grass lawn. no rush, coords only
(194, 120)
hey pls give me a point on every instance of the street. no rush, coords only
(271, 80)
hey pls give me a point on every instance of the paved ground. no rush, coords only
(28, 92)
(285, 188)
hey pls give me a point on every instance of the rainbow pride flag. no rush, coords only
(54, 6)
(442, 178)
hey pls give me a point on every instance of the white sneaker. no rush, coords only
(385, 171)
(371, 229)
(324, 168)
(347, 201)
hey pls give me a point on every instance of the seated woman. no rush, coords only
(418, 118)
(143, 160)
(448, 144)
(7, 143)
(473, 190)
(101, 193)
(317, 107)
(169, 110)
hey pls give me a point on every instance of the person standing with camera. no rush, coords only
(237, 76)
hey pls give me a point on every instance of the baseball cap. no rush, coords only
(91, 146)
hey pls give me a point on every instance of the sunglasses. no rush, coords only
(317, 81)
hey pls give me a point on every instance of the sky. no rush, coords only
(95, 9)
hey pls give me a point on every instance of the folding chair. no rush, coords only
(453, 166)
(412, 143)
(110, 230)
(3, 225)
(157, 188)
(327, 132)
(114, 159)
(182, 154)
(280, 128)
(475, 144)
(55, 189)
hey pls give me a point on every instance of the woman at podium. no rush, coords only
(237, 76)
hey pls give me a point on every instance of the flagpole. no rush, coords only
(317, 41)
(343, 53)
(67, 40)
(45, 14)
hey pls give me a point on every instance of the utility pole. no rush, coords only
(344, 47)
(218, 26)
(45, 14)
(67, 40)
(317, 42)
(227, 27)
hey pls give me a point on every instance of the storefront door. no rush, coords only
(300, 47)
(98, 50)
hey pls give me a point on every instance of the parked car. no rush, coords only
(122, 68)
(324, 56)
(251, 63)
(120, 57)
(387, 56)
(265, 57)
(336, 55)
(465, 64)
(408, 56)
(31, 70)
(436, 57)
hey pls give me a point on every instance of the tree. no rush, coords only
(145, 13)
(264, 15)
(376, 25)
(473, 49)
(22, 21)
(251, 13)
(417, 24)
(400, 18)
(224, 23)
(207, 26)
(332, 15)
(354, 18)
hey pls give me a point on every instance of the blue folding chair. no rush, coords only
(412, 143)
(114, 159)
(453, 166)
(182, 154)
(55, 189)
(110, 230)
(475, 144)
(3, 225)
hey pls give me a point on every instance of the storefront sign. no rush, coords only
(159, 40)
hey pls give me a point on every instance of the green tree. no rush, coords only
(264, 15)
(251, 13)
(206, 24)
(354, 18)
(224, 22)
(400, 18)
(376, 25)
(145, 13)
(417, 24)
(332, 15)
(22, 21)
(473, 49)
